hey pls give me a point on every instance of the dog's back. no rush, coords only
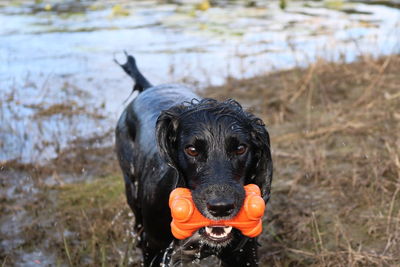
(137, 122)
(147, 107)
(141, 114)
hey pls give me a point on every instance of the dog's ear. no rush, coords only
(262, 175)
(166, 134)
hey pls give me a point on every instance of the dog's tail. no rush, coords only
(141, 83)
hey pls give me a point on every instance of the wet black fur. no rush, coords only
(151, 137)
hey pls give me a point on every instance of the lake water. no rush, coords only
(58, 81)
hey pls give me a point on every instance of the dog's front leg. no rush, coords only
(242, 255)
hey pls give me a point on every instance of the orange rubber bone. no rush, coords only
(186, 219)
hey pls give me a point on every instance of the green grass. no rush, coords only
(103, 192)
(98, 222)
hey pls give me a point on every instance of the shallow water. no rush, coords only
(49, 52)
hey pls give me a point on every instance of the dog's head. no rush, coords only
(217, 148)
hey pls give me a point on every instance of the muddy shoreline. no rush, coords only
(335, 198)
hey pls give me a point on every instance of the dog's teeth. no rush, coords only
(227, 229)
(219, 234)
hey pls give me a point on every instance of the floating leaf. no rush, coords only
(48, 7)
(204, 5)
(334, 4)
(118, 10)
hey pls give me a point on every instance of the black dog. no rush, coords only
(168, 137)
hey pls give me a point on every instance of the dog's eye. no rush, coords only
(191, 151)
(241, 149)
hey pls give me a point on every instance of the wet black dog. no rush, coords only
(168, 137)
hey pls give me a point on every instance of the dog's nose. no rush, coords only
(220, 207)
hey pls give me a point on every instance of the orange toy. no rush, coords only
(186, 219)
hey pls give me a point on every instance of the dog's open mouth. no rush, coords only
(217, 233)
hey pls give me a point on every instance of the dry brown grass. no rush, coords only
(336, 147)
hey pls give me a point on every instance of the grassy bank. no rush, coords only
(335, 199)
